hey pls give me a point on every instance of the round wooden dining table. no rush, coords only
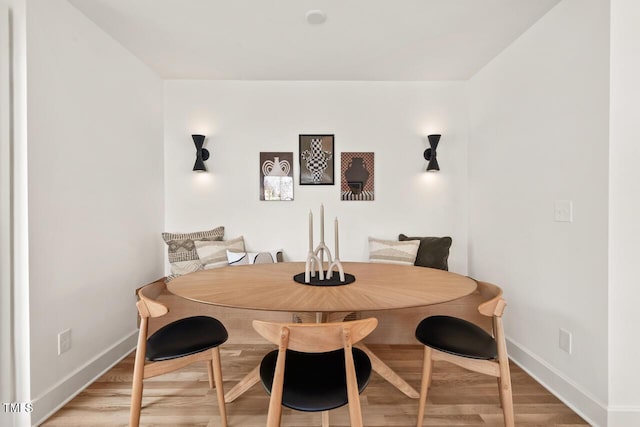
(271, 287)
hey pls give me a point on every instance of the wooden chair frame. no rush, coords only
(315, 338)
(149, 307)
(493, 306)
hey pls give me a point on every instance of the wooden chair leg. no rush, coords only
(506, 397)
(275, 413)
(274, 416)
(136, 390)
(505, 375)
(210, 372)
(427, 365)
(500, 391)
(217, 376)
(325, 418)
(355, 414)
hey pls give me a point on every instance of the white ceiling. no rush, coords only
(271, 40)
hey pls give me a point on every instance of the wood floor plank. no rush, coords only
(183, 398)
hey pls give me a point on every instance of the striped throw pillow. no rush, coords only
(214, 254)
(392, 251)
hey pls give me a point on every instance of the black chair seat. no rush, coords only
(184, 337)
(315, 381)
(456, 336)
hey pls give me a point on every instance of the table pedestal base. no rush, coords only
(249, 380)
(387, 373)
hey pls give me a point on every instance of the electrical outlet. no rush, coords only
(64, 341)
(563, 211)
(564, 340)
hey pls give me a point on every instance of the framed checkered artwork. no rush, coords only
(316, 159)
(357, 176)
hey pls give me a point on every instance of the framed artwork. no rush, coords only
(276, 176)
(316, 159)
(357, 176)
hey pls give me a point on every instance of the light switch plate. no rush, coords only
(563, 211)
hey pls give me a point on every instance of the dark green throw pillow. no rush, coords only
(433, 252)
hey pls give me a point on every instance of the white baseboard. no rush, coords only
(624, 416)
(571, 394)
(66, 389)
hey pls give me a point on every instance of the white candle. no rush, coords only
(335, 224)
(321, 223)
(310, 231)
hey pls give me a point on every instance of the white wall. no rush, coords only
(95, 196)
(538, 133)
(241, 119)
(624, 229)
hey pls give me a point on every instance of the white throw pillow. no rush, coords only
(244, 258)
(213, 254)
(393, 251)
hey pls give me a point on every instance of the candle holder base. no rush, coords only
(335, 281)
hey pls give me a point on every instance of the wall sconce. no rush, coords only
(202, 154)
(430, 153)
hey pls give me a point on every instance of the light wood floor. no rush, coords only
(182, 398)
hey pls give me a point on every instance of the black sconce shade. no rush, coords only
(202, 154)
(430, 153)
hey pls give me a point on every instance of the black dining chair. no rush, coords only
(315, 368)
(174, 346)
(467, 345)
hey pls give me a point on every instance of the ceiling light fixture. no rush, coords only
(316, 17)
